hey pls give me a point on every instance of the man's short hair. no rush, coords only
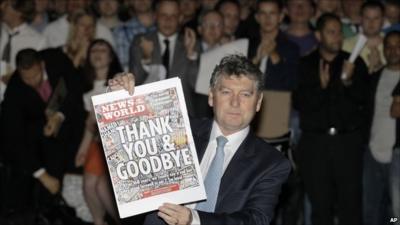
(159, 2)
(25, 7)
(325, 18)
(27, 58)
(223, 2)
(276, 2)
(372, 5)
(390, 34)
(237, 65)
(203, 14)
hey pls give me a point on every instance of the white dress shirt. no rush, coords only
(57, 32)
(234, 141)
(27, 37)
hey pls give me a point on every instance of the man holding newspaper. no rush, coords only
(242, 174)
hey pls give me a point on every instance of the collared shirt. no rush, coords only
(234, 141)
(57, 32)
(172, 42)
(124, 35)
(27, 37)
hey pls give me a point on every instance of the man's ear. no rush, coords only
(211, 97)
(259, 101)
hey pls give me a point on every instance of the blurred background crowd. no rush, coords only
(342, 134)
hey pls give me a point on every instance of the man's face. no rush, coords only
(269, 17)
(188, 7)
(211, 29)
(8, 13)
(74, 5)
(168, 18)
(392, 50)
(392, 13)
(108, 7)
(299, 11)
(41, 5)
(372, 21)
(327, 6)
(32, 76)
(231, 15)
(141, 6)
(351, 7)
(235, 101)
(330, 37)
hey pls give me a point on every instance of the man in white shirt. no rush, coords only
(242, 173)
(16, 35)
(165, 48)
(378, 156)
(57, 31)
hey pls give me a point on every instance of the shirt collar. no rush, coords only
(19, 28)
(234, 140)
(171, 38)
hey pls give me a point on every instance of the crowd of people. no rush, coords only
(344, 115)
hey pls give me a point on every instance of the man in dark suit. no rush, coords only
(41, 107)
(164, 50)
(243, 184)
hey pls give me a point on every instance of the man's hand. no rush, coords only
(51, 183)
(324, 75)
(123, 81)
(147, 47)
(347, 72)
(374, 59)
(190, 42)
(265, 48)
(174, 214)
(53, 124)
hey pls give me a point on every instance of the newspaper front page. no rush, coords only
(149, 147)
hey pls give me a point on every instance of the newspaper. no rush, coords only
(209, 59)
(149, 147)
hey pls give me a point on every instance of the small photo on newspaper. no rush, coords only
(148, 146)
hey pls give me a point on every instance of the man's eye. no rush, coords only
(225, 92)
(246, 94)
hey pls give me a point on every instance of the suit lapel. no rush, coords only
(177, 60)
(157, 48)
(202, 136)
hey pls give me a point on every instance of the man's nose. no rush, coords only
(235, 102)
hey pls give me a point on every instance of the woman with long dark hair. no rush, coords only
(101, 64)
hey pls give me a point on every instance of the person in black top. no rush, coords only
(333, 111)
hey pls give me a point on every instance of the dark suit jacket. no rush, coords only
(250, 186)
(181, 66)
(23, 118)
